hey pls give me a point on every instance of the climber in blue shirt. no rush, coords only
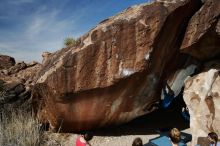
(168, 96)
(168, 99)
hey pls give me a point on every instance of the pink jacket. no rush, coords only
(80, 141)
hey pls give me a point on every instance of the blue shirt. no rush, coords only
(167, 99)
(186, 115)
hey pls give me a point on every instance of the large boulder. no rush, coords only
(6, 62)
(114, 72)
(202, 37)
(202, 96)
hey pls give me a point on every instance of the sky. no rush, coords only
(30, 27)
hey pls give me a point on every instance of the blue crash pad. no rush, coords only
(163, 141)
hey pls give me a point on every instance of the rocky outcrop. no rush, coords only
(202, 37)
(202, 96)
(6, 62)
(45, 56)
(15, 69)
(115, 72)
(202, 40)
(12, 92)
(21, 72)
(17, 124)
(17, 82)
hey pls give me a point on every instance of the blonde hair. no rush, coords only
(174, 135)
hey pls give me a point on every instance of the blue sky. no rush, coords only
(30, 27)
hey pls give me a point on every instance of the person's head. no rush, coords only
(88, 136)
(174, 135)
(137, 142)
(213, 137)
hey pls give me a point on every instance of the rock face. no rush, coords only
(202, 96)
(176, 80)
(22, 72)
(6, 62)
(115, 72)
(202, 37)
(45, 56)
(12, 92)
(202, 41)
(16, 82)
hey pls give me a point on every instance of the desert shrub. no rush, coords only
(69, 41)
(18, 127)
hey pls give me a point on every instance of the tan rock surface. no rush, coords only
(45, 56)
(6, 62)
(202, 96)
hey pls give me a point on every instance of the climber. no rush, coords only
(168, 96)
(168, 99)
(83, 140)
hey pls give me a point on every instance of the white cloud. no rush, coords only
(41, 21)
(35, 27)
(43, 32)
(43, 29)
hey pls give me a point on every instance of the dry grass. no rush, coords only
(18, 127)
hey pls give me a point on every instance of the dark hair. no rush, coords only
(137, 142)
(88, 136)
(213, 136)
(174, 135)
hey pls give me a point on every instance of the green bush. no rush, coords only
(69, 42)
